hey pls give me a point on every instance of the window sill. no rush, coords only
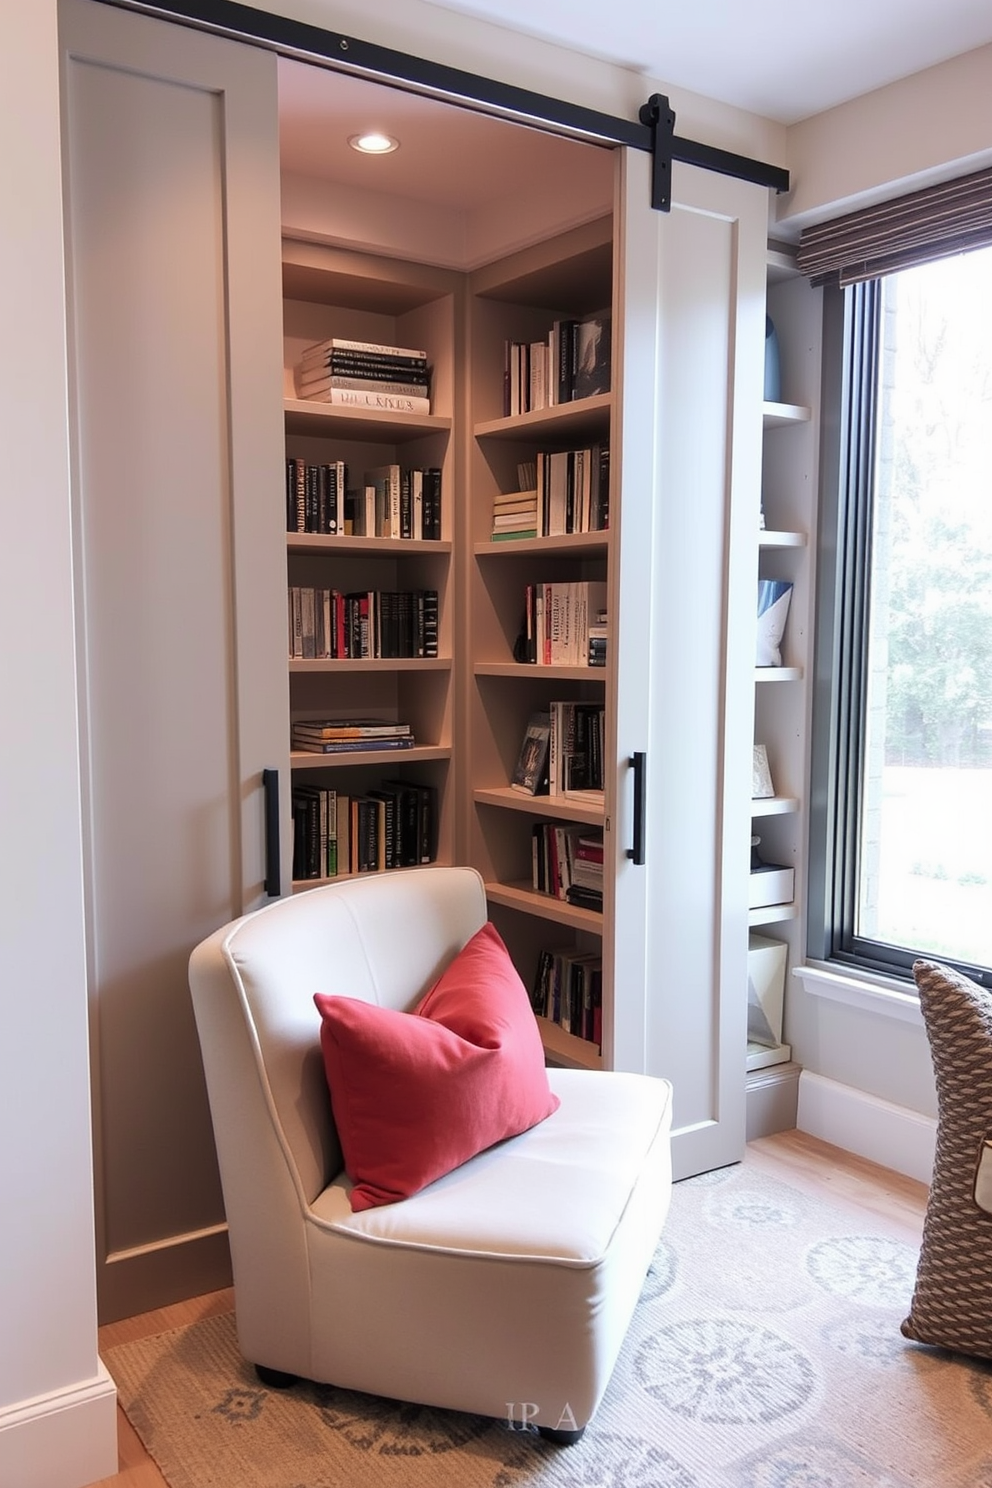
(882, 995)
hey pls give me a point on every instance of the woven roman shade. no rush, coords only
(932, 223)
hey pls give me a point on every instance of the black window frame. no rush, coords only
(849, 426)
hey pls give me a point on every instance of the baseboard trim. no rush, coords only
(771, 1096)
(163, 1272)
(891, 1135)
(61, 1440)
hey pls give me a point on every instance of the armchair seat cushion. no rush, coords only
(538, 1246)
(556, 1194)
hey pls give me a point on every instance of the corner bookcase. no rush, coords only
(518, 299)
(332, 292)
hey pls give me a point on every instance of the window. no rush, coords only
(901, 840)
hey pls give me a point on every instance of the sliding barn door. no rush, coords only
(691, 308)
(172, 214)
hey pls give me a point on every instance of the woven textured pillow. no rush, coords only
(952, 1300)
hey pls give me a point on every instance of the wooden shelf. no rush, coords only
(591, 543)
(522, 896)
(778, 415)
(760, 1056)
(774, 805)
(778, 674)
(522, 669)
(571, 419)
(303, 760)
(768, 538)
(370, 664)
(385, 547)
(568, 1049)
(771, 914)
(308, 416)
(550, 807)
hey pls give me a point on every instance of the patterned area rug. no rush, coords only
(765, 1353)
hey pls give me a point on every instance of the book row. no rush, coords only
(562, 752)
(571, 495)
(391, 502)
(564, 624)
(326, 624)
(573, 361)
(567, 863)
(568, 990)
(393, 826)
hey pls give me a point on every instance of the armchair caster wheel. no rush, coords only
(275, 1379)
(560, 1438)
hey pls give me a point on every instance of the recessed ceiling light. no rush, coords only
(373, 143)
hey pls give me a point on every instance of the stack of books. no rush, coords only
(315, 496)
(394, 826)
(573, 490)
(568, 990)
(558, 849)
(574, 361)
(514, 516)
(597, 640)
(341, 735)
(556, 622)
(576, 748)
(396, 502)
(586, 887)
(365, 375)
(375, 624)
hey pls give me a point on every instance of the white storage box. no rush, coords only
(771, 884)
(766, 961)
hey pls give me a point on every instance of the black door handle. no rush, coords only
(273, 876)
(638, 763)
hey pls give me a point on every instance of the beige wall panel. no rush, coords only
(171, 510)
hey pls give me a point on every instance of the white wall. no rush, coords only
(57, 1409)
(935, 124)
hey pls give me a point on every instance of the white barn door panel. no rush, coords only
(692, 288)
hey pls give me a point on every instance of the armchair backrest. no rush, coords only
(384, 939)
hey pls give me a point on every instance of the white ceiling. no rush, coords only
(778, 58)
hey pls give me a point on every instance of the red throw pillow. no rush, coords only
(417, 1094)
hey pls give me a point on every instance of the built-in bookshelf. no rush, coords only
(366, 572)
(782, 701)
(520, 301)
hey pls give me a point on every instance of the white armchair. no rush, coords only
(505, 1287)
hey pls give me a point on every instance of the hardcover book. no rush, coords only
(530, 774)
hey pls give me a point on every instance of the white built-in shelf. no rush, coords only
(308, 416)
(564, 419)
(523, 896)
(300, 759)
(780, 263)
(770, 914)
(561, 808)
(759, 1056)
(386, 547)
(769, 538)
(566, 1048)
(584, 542)
(774, 805)
(778, 674)
(778, 415)
(371, 664)
(523, 669)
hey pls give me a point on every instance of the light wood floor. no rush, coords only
(801, 1160)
